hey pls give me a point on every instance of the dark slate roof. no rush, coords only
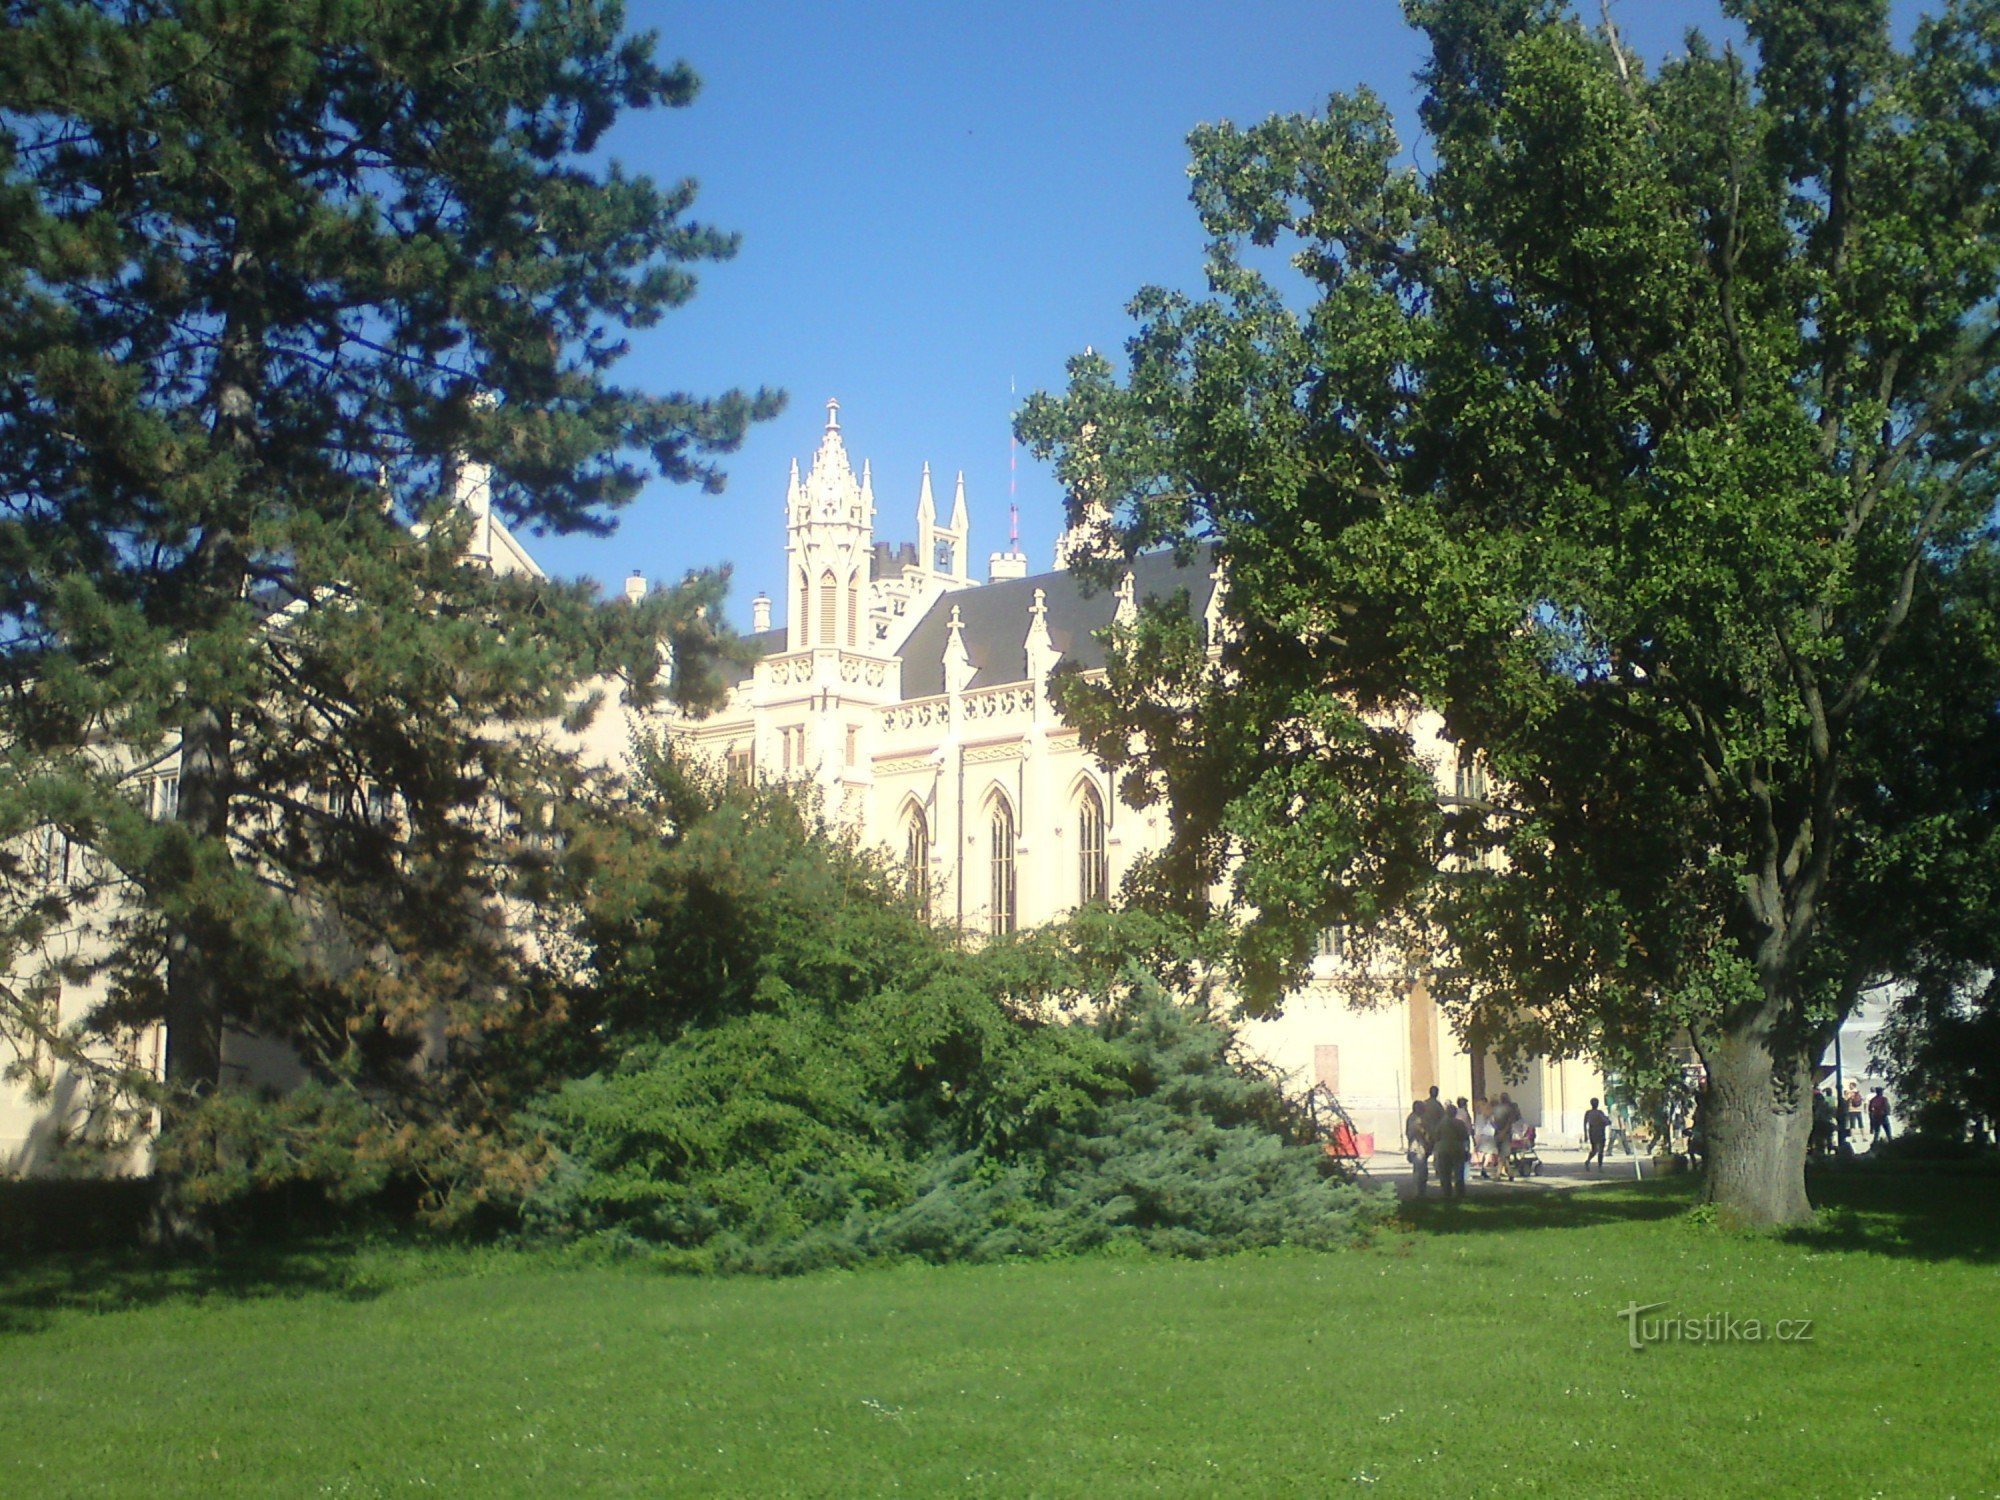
(995, 620)
(768, 643)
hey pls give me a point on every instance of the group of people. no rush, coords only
(1451, 1137)
(1848, 1113)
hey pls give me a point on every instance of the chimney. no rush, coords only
(760, 613)
(635, 586)
(1001, 566)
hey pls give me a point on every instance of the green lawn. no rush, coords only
(1468, 1353)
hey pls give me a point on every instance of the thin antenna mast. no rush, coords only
(1013, 506)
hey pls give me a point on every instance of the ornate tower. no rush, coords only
(830, 529)
(941, 549)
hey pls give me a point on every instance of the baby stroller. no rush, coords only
(1521, 1154)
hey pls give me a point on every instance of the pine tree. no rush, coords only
(279, 285)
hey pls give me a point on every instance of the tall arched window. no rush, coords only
(829, 610)
(1093, 869)
(804, 617)
(917, 861)
(1471, 778)
(1001, 831)
(853, 610)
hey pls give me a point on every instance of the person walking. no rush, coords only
(1449, 1150)
(1506, 1115)
(1596, 1131)
(1482, 1135)
(1878, 1120)
(1417, 1139)
(1434, 1111)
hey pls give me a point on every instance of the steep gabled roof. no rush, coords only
(768, 643)
(994, 619)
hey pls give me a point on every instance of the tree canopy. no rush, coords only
(1644, 432)
(291, 298)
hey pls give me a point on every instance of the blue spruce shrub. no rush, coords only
(784, 1068)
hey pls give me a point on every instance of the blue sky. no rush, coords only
(939, 204)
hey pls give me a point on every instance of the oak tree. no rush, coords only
(1642, 428)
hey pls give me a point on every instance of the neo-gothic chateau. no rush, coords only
(916, 699)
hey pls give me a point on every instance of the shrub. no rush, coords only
(773, 1145)
(788, 1069)
(38, 1215)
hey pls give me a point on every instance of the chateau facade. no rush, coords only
(915, 698)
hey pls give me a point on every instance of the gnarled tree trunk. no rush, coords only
(1758, 1120)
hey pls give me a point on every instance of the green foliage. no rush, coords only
(236, 1144)
(291, 297)
(1942, 1052)
(70, 1215)
(793, 1071)
(759, 1144)
(695, 899)
(758, 1128)
(1645, 434)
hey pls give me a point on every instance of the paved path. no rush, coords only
(1562, 1170)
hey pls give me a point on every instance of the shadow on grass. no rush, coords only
(1916, 1213)
(1935, 1213)
(34, 1289)
(1574, 1208)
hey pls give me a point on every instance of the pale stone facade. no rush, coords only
(916, 700)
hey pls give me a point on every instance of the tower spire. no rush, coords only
(960, 531)
(830, 538)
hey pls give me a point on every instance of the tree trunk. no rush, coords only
(194, 1004)
(1758, 1119)
(194, 990)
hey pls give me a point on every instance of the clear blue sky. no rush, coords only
(940, 202)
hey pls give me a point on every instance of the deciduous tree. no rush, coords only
(1644, 430)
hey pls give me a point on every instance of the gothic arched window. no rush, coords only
(1093, 869)
(829, 610)
(1470, 782)
(1001, 831)
(917, 862)
(853, 610)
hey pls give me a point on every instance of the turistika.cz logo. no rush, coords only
(1714, 1328)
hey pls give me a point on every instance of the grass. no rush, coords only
(1469, 1352)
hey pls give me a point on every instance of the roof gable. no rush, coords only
(994, 619)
